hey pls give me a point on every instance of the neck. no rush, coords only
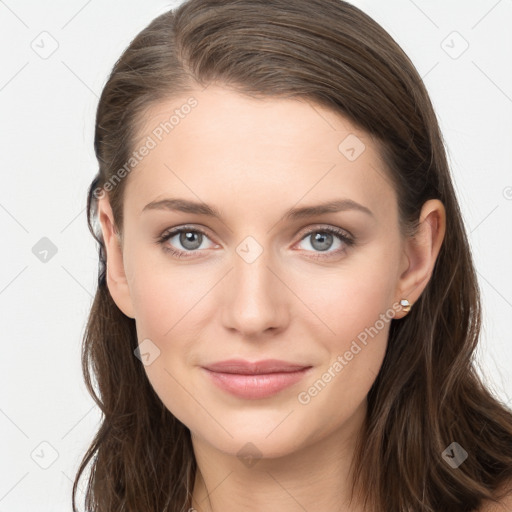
(314, 477)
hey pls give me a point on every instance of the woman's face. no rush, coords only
(273, 275)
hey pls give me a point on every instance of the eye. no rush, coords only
(321, 240)
(183, 242)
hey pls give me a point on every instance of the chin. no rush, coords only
(255, 438)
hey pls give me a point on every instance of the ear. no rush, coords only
(115, 271)
(420, 252)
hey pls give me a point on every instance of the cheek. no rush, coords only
(355, 309)
(350, 300)
(358, 312)
(169, 303)
(163, 293)
(165, 309)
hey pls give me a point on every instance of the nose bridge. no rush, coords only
(255, 300)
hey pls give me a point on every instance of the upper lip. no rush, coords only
(255, 368)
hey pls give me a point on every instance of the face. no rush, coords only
(267, 276)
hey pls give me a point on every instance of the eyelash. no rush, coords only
(349, 241)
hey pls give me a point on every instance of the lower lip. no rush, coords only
(256, 386)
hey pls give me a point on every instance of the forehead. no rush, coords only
(218, 143)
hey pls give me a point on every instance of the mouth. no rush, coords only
(255, 380)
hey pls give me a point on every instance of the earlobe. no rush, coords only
(115, 272)
(421, 251)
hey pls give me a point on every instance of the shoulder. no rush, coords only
(505, 505)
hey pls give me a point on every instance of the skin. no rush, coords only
(252, 160)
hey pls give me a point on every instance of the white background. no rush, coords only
(47, 110)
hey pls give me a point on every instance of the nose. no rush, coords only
(255, 300)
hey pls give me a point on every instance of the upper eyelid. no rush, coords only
(169, 232)
(326, 227)
(172, 232)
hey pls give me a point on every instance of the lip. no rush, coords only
(253, 380)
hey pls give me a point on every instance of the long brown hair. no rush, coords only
(427, 394)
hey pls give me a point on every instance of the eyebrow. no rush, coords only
(186, 206)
